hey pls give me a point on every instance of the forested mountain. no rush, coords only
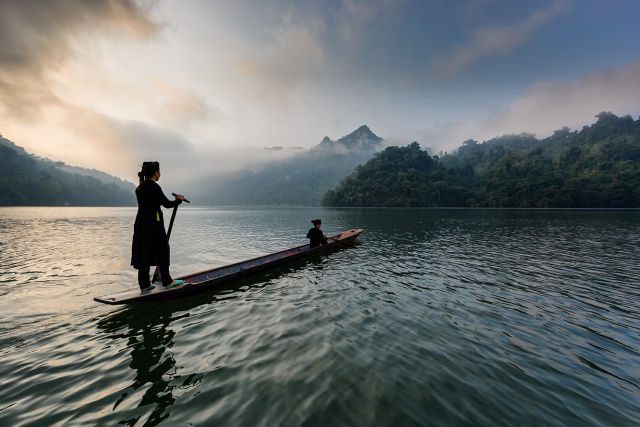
(26, 180)
(598, 166)
(103, 177)
(300, 180)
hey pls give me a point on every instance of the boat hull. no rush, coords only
(211, 279)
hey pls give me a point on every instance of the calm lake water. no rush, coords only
(435, 317)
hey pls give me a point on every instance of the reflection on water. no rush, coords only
(145, 329)
(436, 316)
(152, 363)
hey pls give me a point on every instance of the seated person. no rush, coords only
(316, 235)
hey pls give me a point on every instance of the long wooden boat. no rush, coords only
(210, 279)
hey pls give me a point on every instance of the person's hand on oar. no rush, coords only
(180, 196)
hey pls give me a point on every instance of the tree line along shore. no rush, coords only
(595, 167)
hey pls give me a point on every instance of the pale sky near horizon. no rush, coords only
(194, 84)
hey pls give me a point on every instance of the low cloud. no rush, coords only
(92, 139)
(500, 40)
(549, 106)
(295, 54)
(125, 144)
(180, 107)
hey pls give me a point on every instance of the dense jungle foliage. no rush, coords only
(596, 167)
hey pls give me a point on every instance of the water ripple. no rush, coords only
(436, 317)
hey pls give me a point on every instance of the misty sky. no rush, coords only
(194, 84)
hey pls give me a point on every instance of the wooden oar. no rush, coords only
(156, 273)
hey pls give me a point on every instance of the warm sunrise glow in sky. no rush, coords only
(193, 84)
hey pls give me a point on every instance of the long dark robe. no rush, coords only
(150, 245)
(316, 237)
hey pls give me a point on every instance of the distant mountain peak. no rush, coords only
(360, 139)
(364, 129)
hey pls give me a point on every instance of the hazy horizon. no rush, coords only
(195, 84)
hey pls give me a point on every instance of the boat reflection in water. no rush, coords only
(146, 330)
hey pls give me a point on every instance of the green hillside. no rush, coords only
(26, 180)
(598, 166)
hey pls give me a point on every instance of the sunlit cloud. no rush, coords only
(38, 44)
(499, 40)
(180, 107)
(38, 40)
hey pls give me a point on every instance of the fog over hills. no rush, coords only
(292, 177)
(299, 180)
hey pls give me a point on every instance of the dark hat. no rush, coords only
(316, 221)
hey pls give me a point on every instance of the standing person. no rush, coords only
(150, 244)
(316, 235)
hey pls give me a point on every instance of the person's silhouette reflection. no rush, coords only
(150, 360)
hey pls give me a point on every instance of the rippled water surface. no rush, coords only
(434, 317)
